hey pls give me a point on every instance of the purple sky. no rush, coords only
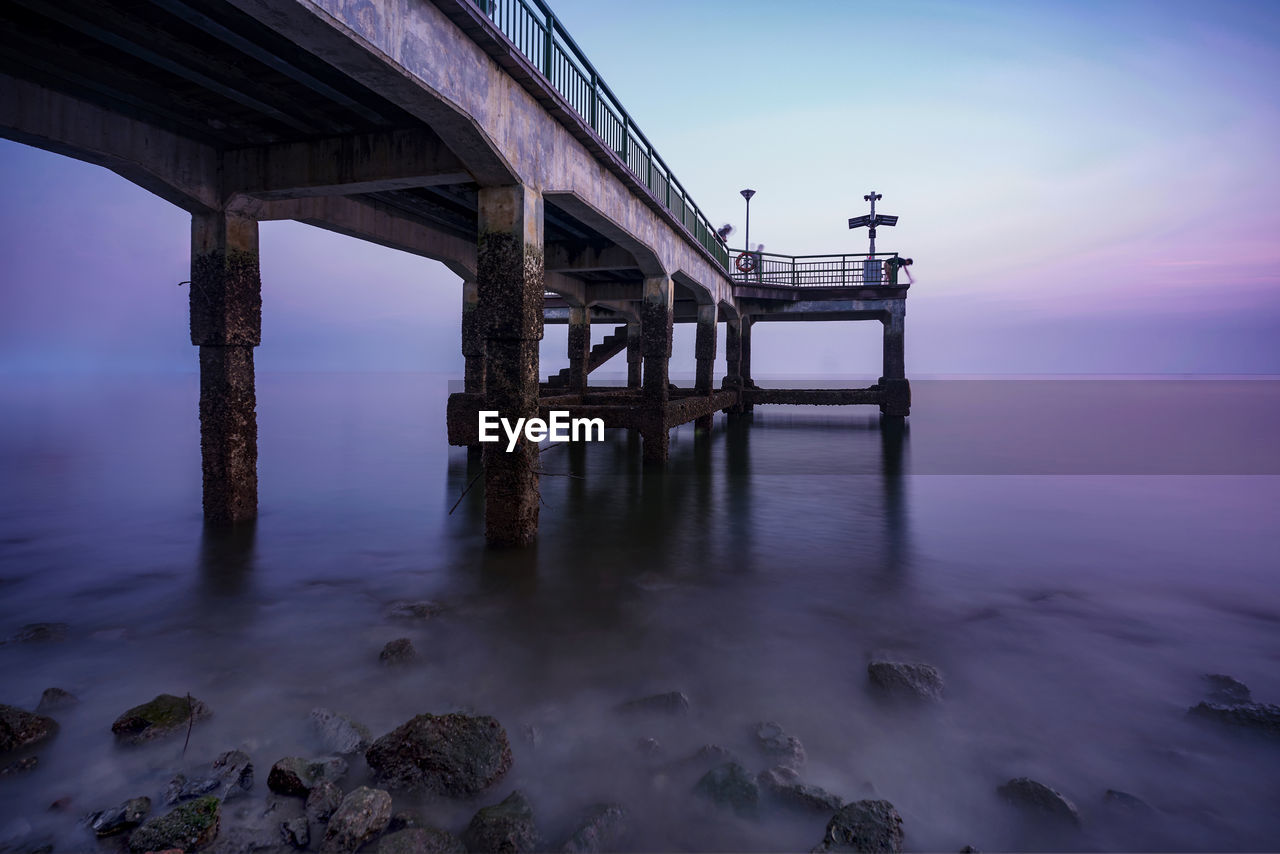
(1086, 187)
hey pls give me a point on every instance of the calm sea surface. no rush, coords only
(1072, 555)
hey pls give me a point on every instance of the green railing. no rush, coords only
(766, 269)
(534, 30)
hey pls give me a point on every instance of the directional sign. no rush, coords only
(858, 221)
(873, 219)
(885, 219)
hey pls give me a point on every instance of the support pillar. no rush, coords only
(705, 352)
(510, 289)
(745, 363)
(655, 322)
(472, 339)
(897, 391)
(226, 324)
(579, 348)
(635, 355)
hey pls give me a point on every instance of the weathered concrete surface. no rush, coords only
(579, 348)
(472, 339)
(705, 354)
(635, 355)
(655, 333)
(813, 396)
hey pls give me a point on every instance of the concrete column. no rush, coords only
(705, 352)
(635, 355)
(510, 290)
(655, 323)
(579, 348)
(897, 391)
(472, 339)
(745, 360)
(732, 355)
(226, 324)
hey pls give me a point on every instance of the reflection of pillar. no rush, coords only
(705, 352)
(655, 323)
(226, 324)
(893, 441)
(472, 339)
(579, 348)
(510, 279)
(896, 389)
(635, 355)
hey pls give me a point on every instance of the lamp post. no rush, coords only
(747, 194)
(873, 220)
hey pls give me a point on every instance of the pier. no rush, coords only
(473, 132)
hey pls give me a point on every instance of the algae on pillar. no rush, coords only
(472, 339)
(655, 323)
(896, 388)
(510, 276)
(635, 355)
(226, 324)
(579, 348)
(705, 353)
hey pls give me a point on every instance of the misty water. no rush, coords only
(1072, 556)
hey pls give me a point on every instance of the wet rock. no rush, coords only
(421, 840)
(670, 703)
(55, 699)
(906, 680)
(41, 633)
(62, 804)
(1037, 798)
(782, 748)
(165, 715)
(1226, 690)
(398, 651)
(20, 766)
(505, 828)
(120, 818)
(189, 827)
(601, 829)
(870, 826)
(20, 728)
(730, 786)
(1125, 801)
(296, 832)
(454, 754)
(649, 746)
(340, 734)
(422, 609)
(1259, 717)
(783, 785)
(230, 775)
(362, 815)
(294, 775)
(405, 819)
(322, 801)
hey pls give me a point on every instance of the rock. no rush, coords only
(784, 786)
(322, 801)
(62, 804)
(296, 832)
(1125, 801)
(870, 826)
(362, 815)
(340, 734)
(191, 826)
(505, 828)
(41, 633)
(20, 766)
(670, 703)
(55, 699)
(398, 651)
(1260, 717)
(649, 746)
(423, 609)
(421, 840)
(601, 829)
(903, 680)
(1226, 690)
(405, 819)
(1038, 798)
(454, 754)
(294, 775)
(777, 745)
(163, 716)
(730, 786)
(230, 775)
(120, 818)
(20, 728)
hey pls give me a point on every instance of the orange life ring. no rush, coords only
(746, 262)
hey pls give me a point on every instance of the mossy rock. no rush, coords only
(165, 715)
(20, 728)
(191, 826)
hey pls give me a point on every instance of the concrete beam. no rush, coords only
(564, 258)
(344, 165)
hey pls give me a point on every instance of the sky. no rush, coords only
(1085, 188)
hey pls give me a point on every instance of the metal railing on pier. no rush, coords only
(533, 29)
(767, 269)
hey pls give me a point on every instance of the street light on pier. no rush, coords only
(873, 220)
(747, 194)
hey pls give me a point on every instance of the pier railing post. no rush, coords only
(635, 355)
(655, 323)
(226, 324)
(896, 390)
(510, 274)
(579, 348)
(705, 353)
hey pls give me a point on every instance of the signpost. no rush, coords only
(873, 220)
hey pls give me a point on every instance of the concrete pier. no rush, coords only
(655, 331)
